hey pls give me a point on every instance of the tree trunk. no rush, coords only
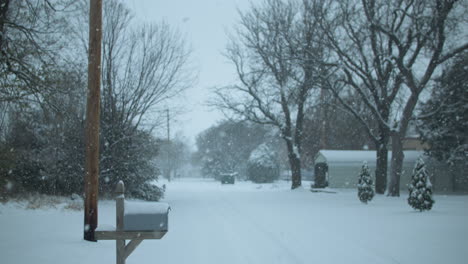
(397, 146)
(295, 164)
(381, 169)
(382, 163)
(396, 165)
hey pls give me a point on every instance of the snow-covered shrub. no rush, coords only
(420, 188)
(39, 201)
(365, 185)
(74, 206)
(262, 166)
(43, 157)
(226, 147)
(75, 203)
(148, 192)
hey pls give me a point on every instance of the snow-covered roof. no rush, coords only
(358, 156)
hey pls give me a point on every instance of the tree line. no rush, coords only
(375, 58)
(43, 73)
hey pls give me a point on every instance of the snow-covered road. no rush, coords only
(248, 223)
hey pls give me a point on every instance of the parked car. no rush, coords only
(229, 178)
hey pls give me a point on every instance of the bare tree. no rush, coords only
(426, 41)
(360, 59)
(32, 42)
(275, 51)
(387, 51)
(142, 67)
(30, 45)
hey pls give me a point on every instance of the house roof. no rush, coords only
(359, 156)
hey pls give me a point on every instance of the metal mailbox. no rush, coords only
(144, 216)
(135, 221)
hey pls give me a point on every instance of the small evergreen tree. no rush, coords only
(420, 189)
(365, 188)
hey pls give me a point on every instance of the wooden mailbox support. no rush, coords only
(120, 235)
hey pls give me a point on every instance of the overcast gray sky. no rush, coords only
(204, 22)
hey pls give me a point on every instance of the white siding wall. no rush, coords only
(345, 166)
(344, 175)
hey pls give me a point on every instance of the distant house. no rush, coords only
(412, 140)
(307, 175)
(413, 143)
(344, 167)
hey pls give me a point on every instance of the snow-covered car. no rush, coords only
(228, 177)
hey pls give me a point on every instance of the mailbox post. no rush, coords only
(134, 233)
(119, 217)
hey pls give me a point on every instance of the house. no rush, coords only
(412, 140)
(344, 167)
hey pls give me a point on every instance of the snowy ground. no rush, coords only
(248, 223)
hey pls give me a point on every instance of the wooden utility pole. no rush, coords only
(323, 121)
(168, 126)
(91, 181)
(169, 152)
